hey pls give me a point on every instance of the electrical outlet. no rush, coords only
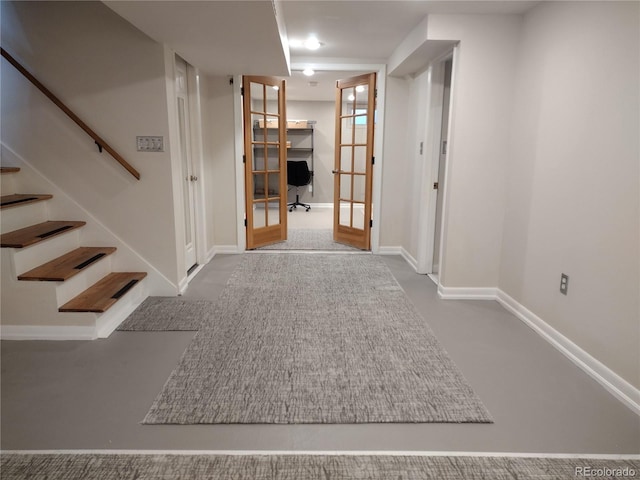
(564, 283)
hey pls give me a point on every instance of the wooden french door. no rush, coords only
(355, 119)
(265, 140)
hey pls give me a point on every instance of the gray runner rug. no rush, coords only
(162, 314)
(309, 239)
(320, 338)
(305, 467)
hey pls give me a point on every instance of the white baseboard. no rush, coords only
(321, 205)
(36, 332)
(210, 254)
(467, 293)
(614, 383)
(225, 249)
(390, 250)
(409, 259)
(611, 381)
(182, 285)
(336, 453)
(399, 251)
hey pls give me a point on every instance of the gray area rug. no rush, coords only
(162, 314)
(319, 338)
(309, 239)
(303, 467)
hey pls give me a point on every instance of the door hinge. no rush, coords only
(435, 185)
(373, 160)
(242, 91)
(245, 222)
(375, 93)
(370, 223)
(244, 159)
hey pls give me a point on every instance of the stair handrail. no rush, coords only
(99, 140)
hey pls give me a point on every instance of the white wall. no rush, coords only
(219, 161)
(114, 79)
(478, 153)
(573, 177)
(396, 164)
(324, 140)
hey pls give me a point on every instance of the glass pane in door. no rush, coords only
(360, 159)
(345, 213)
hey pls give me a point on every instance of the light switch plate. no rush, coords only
(150, 144)
(564, 283)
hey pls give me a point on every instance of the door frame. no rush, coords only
(378, 144)
(196, 144)
(189, 191)
(427, 194)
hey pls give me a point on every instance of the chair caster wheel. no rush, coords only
(308, 208)
(291, 209)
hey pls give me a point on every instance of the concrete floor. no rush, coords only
(93, 395)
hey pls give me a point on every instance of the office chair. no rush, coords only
(298, 175)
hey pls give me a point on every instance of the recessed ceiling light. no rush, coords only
(312, 43)
(360, 89)
(351, 98)
(308, 72)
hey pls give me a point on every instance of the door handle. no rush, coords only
(336, 171)
(194, 178)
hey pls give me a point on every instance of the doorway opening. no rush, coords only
(316, 180)
(442, 158)
(439, 89)
(184, 91)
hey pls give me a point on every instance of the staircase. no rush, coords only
(50, 279)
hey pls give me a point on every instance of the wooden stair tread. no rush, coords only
(17, 199)
(4, 170)
(67, 265)
(99, 297)
(33, 234)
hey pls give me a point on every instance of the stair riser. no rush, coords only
(7, 183)
(74, 286)
(110, 320)
(30, 257)
(20, 217)
(33, 303)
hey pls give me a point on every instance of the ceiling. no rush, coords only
(250, 37)
(373, 29)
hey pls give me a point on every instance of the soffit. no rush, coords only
(219, 37)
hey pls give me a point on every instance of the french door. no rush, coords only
(353, 172)
(265, 140)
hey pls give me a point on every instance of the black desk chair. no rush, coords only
(298, 175)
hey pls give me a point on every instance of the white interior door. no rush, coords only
(187, 170)
(439, 185)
